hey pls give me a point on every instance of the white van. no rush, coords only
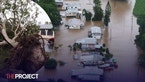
(95, 32)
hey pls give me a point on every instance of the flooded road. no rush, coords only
(118, 36)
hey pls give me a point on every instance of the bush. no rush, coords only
(141, 60)
(98, 14)
(107, 57)
(98, 11)
(102, 49)
(51, 64)
(104, 45)
(87, 14)
(61, 63)
(107, 51)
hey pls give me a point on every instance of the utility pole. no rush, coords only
(131, 24)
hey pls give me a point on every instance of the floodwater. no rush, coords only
(118, 36)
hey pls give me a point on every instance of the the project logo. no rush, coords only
(21, 76)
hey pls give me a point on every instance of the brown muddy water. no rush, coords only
(119, 37)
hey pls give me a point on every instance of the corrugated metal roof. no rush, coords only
(87, 41)
(74, 21)
(46, 26)
(96, 29)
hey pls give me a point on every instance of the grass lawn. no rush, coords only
(139, 8)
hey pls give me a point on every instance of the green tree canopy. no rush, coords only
(107, 14)
(87, 14)
(98, 11)
(16, 19)
(51, 9)
(140, 39)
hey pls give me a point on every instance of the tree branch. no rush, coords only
(3, 42)
(17, 27)
(8, 40)
(16, 36)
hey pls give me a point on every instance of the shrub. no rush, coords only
(61, 63)
(98, 11)
(141, 60)
(104, 45)
(50, 64)
(87, 14)
(107, 51)
(107, 57)
(98, 14)
(102, 49)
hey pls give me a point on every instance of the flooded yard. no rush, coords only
(118, 36)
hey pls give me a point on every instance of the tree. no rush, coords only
(28, 55)
(87, 14)
(16, 20)
(97, 3)
(107, 14)
(51, 9)
(141, 59)
(18, 28)
(35, 1)
(140, 39)
(98, 11)
(141, 23)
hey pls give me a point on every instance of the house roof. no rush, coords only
(72, 10)
(87, 41)
(74, 21)
(72, 5)
(45, 26)
(58, 0)
(96, 29)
